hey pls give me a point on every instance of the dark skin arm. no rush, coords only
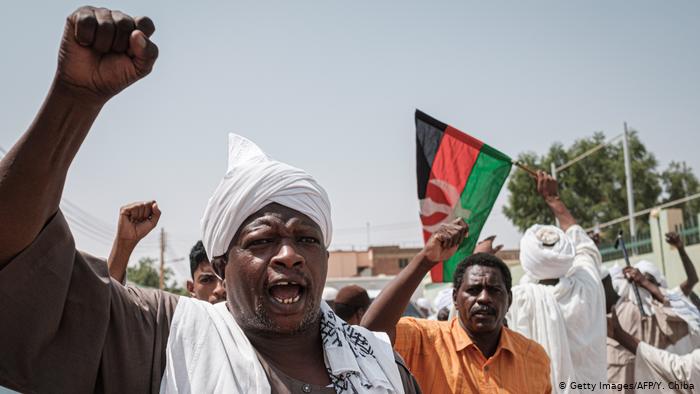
(101, 53)
(634, 275)
(136, 220)
(616, 332)
(611, 296)
(386, 310)
(691, 274)
(548, 188)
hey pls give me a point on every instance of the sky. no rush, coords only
(331, 87)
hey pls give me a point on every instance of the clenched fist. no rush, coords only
(104, 51)
(136, 220)
(445, 241)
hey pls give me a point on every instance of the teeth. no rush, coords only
(287, 300)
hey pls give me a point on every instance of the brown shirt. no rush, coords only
(67, 327)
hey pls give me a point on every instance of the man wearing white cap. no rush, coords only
(560, 301)
(67, 327)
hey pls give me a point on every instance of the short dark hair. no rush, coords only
(486, 260)
(345, 311)
(197, 256)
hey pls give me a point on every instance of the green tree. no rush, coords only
(679, 181)
(146, 275)
(593, 188)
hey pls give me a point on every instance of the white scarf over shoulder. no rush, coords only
(207, 352)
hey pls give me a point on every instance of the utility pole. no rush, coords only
(368, 239)
(628, 181)
(162, 258)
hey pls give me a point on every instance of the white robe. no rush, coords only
(677, 374)
(568, 319)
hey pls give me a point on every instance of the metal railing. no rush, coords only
(641, 245)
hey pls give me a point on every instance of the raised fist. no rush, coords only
(674, 239)
(486, 246)
(445, 241)
(547, 186)
(103, 52)
(136, 220)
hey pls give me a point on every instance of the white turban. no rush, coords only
(647, 267)
(546, 252)
(252, 181)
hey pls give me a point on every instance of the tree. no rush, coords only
(679, 181)
(593, 189)
(146, 275)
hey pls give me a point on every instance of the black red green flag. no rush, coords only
(458, 176)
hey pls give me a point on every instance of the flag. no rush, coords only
(458, 176)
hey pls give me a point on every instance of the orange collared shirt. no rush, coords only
(443, 359)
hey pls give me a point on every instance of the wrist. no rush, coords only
(125, 244)
(76, 95)
(425, 262)
(551, 200)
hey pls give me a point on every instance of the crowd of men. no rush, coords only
(569, 323)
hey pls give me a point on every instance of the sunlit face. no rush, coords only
(275, 272)
(206, 286)
(482, 300)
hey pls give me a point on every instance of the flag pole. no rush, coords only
(522, 166)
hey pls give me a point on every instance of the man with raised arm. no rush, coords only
(473, 352)
(560, 301)
(267, 228)
(136, 220)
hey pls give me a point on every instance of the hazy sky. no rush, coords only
(331, 87)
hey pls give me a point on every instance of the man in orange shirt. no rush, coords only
(474, 352)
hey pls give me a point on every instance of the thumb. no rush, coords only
(145, 52)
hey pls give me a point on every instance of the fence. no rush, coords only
(641, 245)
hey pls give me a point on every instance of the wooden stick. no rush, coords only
(522, 166)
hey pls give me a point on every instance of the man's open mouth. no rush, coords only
(286, 292)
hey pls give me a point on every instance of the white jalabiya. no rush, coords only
(671, 370)
(546, 252)
(567, 319)
(207, 352)
(252, 181)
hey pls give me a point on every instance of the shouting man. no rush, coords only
(267, 228)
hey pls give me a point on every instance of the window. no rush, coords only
(403, 263)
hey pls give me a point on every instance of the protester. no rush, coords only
(136, 220)
(205, 284)
(328, 295)
(560, 301)
(351, 303)
(267, 228)
(660, 326)
(691, 274)
(471, 353)
(667, 372)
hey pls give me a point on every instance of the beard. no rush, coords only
(260, 322)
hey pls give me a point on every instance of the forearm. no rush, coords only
(33, 172)
(628, 341)
(561, 212)
(690, 272)
(654, 290)
(119, 259)
(386, 310)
